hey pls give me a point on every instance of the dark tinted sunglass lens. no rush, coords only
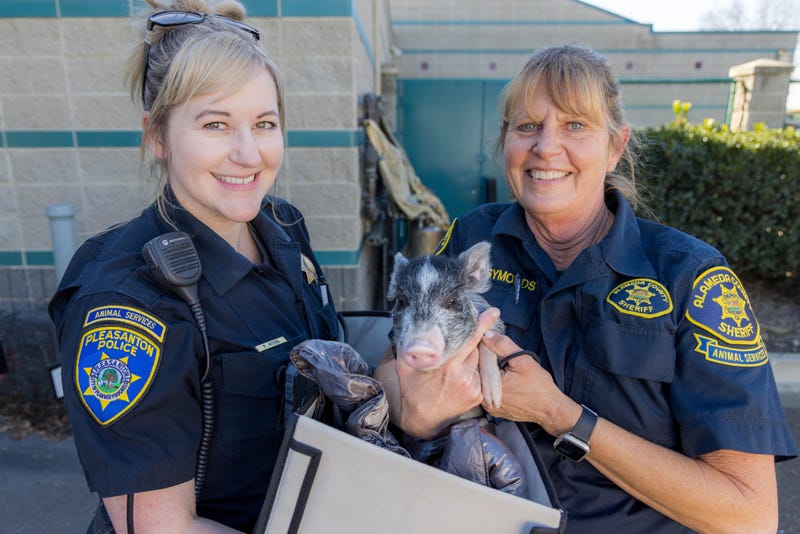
(175, 18)
(249, 29)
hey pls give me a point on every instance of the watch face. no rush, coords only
(571, 447)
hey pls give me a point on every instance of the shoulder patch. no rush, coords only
(116, 363)
(726, 355)
(720, 306)
(642, 297)
(128, 315)
(445, 239)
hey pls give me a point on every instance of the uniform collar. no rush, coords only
(222, 266)
(622, 247)
(512, 222)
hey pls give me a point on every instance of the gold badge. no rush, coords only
(307, 266)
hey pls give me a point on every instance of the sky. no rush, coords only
(679, 15)
(668, 15)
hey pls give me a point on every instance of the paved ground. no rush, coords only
(43, 490)
(789, 472)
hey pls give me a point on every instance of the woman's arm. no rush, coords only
(722, 491)
(165, 510)
(424, 403)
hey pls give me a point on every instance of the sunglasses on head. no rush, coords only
(168, 19)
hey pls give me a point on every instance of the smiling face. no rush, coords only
(556, 161)
(224, 151)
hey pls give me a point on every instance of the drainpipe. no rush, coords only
(377, 19)
(62, 230)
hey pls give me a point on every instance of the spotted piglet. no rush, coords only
(437, 300)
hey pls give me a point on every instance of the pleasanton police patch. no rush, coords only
(114, 368)
(719, 305)
(641, 297)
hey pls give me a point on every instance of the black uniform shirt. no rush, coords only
(649, 328)
(132, 355)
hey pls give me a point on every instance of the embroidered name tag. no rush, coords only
(719, 305)
(641, 297)
(270, 344)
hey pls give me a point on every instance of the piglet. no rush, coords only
(437, 300)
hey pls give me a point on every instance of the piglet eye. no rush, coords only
(400, 302)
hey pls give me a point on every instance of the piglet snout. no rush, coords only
(424, 351)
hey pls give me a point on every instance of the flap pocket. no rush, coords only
(256, 374)
(517, 309)
(632, 350)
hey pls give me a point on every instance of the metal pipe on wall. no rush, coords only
(376, 45)
(62, 230)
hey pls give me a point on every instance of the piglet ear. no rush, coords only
(475, 267)
(400, 261)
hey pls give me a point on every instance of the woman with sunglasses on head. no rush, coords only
(134, 353)
(644, 379)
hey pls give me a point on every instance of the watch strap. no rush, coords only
(585, 426)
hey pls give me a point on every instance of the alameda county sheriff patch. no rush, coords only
(117, 360)
(719, 305)
(641, 297)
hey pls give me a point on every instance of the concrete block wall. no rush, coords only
(70, 133)
(473, 39)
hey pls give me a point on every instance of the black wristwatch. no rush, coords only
(575, 443)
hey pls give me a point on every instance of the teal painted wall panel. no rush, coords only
(39, 139)
(122, 8)
(452, 126)
(28, 8)
(10, 258)
(94, 8)
(338, 257)
(490, 126)
(133, 138)
(108, 138)
(317, 8)
(39, 258)
(331, 138)
(261, 8)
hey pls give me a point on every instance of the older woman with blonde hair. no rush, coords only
(641, 371)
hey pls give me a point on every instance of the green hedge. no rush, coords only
(739, 191)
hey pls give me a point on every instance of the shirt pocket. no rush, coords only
(251, 398)
(633, 350)
(517, 307)
(628, 376)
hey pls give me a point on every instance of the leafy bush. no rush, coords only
(738, 191)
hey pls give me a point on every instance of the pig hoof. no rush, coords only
(493, 396)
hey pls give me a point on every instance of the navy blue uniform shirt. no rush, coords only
(651, 329)
(132, 356)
